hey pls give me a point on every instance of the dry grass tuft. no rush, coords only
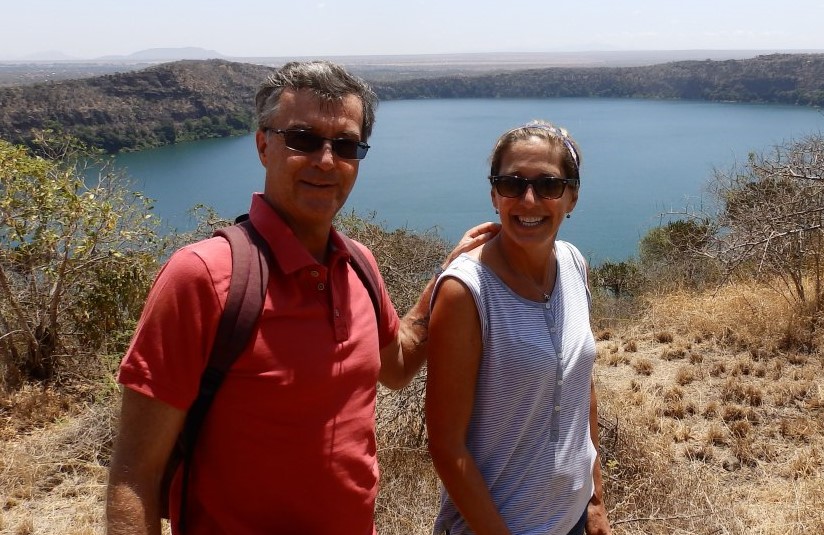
(700, 452)
(616, 359)
(673, 353)
(742, 366)
(718, 369)
(734, 390)
(798, 429)
(604, 334)
(685, 375)
(797, 359)
(682, 432)
(645, 489)
(33, 407)
(663, 337)
(743, 450)
(806, 462)
(643, 366)
(711, 410)
(734, 413)
(716, 435)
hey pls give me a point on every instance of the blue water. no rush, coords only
(429, 160)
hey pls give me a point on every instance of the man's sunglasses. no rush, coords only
(548, 187)
(306, 141)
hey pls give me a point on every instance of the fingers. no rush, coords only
(472, 238)
(479, 234)
(484, 230)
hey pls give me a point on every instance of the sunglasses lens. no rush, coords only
(302, 141)
(510, 186)
(513, 186)
(548, 188)
(309, 142)
(346, 148)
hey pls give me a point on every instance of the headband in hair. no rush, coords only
(560, 133)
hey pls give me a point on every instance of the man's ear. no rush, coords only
(261, 140)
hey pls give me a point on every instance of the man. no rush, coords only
(288, 445)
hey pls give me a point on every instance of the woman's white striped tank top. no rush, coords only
(529, 430)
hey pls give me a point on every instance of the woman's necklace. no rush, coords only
(545, 289)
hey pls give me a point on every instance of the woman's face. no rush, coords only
(530, 218)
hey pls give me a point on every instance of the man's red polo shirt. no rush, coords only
(289, 444)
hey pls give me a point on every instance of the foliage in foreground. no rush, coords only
(77, 252)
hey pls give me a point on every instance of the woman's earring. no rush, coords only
(496, 211)
(568, 215)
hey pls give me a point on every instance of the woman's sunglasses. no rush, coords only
(306, 141)
(548, 187)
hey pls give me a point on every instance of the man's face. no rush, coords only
(308, 189)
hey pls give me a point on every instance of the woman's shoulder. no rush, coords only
(566, 249)
(567, 246)
(470, 272)
(464, 263)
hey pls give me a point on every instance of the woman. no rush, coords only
(510, 404)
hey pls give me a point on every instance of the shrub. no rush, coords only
(771, 226)
(77, 253)
(672, 255)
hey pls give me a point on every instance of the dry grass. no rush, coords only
(748, 315)
(749, 452)
(408, 497)
(52, 472)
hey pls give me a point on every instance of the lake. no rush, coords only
(428, 163)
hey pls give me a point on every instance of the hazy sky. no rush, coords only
(93, 28)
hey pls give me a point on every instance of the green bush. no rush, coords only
(77, 254)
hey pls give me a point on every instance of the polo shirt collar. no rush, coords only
(287, 251)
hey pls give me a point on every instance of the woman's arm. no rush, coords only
(597, 522)
(452, 370)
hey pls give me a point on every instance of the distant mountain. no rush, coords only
(167, 54)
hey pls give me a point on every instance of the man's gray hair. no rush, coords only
(329, 81)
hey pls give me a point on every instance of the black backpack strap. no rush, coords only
(365, 272)
(244, 304)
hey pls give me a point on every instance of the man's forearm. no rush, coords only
(128, 512)
(414, 331)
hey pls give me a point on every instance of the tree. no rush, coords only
(77, 253)
(621, 279)
(675, 254)
(771, 219)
